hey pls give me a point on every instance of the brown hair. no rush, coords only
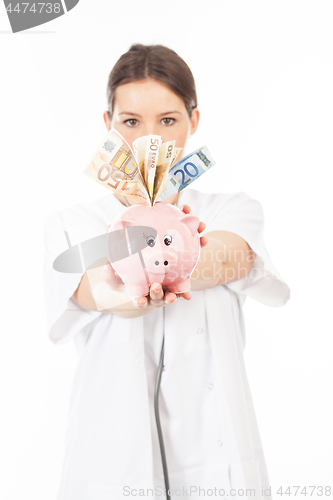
(153, 61)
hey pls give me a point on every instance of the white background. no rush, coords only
(264, 75)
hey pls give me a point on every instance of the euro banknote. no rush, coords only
(114, 166)
(148, 172)
(165, 159)
(139, 149)
(187, 170)
(147, 150)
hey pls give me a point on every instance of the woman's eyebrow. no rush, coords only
(169, 113)
(140, 116)
(129, 113)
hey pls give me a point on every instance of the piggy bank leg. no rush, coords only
(180, 287)
(137, 290)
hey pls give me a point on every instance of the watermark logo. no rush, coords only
(25, 15)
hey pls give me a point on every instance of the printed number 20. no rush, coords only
(196, 171)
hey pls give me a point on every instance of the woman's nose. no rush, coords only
(150, 129)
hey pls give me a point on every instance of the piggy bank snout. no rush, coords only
(161, 260)
(158, 263)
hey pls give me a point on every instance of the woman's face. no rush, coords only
(149, 107)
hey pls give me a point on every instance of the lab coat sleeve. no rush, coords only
(242, 215)
(65, 317)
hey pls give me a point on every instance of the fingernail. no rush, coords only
(140, 306)
(156, 288)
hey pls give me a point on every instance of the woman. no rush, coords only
(209, 427)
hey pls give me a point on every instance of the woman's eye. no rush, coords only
(167, 240)
(151, 241)
(168, 121)
(132, 122)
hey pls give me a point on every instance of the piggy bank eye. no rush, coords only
(151, 241)
(167, 240)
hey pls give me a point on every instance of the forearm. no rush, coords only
(92, 293)
(225, 258)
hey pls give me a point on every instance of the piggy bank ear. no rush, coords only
(121, 224)
(191, 221)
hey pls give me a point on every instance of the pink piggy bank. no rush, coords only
(156, 243)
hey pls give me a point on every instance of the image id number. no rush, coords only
(305, 491)
(36, 8)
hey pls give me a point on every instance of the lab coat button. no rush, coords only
(199, 330)
(210, 385)
(220, 443)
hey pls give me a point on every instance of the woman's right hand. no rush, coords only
(157, 297)
(158, 294)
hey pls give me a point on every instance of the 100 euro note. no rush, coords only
(187, 170)
(114, 166)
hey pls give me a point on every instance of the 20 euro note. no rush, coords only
(115, 167)
(187, 170)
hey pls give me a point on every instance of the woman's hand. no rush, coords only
(158, 294)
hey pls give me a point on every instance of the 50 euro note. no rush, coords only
(114, 166)
(168, 153)
(187, 170)
(146, 150)
(175, 155)
(139, 150)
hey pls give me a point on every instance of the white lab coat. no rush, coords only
(207, 416)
